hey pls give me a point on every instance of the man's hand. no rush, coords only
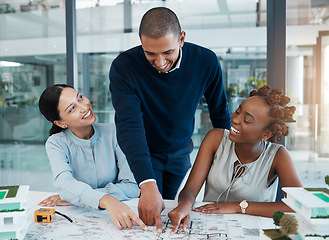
(150, 205)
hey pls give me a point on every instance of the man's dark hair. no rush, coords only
(158, 22)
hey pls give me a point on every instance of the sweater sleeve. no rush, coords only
(76, 192)
(129, 123)
(216, 99)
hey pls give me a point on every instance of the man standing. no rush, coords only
(156, 88)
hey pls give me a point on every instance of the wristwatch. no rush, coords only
(243, 206)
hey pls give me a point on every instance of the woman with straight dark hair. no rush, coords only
(88, 166)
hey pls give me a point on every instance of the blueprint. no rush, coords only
(97, 225)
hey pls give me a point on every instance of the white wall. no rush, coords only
(295, 79)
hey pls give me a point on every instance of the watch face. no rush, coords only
(243, 204)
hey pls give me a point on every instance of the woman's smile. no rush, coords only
(235, 131)
(88, 114)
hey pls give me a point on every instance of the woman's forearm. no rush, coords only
(187, 195)
(266, 209)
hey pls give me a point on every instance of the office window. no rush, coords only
(32, 36)
(32, 57)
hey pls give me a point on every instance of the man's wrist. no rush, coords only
(146, 181)
(149, 186)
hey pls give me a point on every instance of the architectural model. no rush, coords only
(312, 211)
(13, 211)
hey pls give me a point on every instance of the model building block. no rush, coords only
(312, 211)
(13, 211)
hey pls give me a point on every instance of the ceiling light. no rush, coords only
(9, 64)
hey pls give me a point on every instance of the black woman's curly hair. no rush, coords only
(279, 112)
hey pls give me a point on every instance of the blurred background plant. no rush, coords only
(3, 89)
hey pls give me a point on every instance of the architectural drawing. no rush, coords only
(90, 224)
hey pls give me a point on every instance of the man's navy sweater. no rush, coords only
(155, 111)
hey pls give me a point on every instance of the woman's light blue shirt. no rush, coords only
(85, 170)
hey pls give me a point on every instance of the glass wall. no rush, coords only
(32, 57)
(323, 107)
(307, 87)
(100, 96)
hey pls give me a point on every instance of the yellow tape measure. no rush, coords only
(44, 215)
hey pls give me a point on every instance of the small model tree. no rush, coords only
(326, 179)
(277, 217)
(288, 224)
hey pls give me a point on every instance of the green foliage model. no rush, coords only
(277, 217)
(326, 179)
(317, 235)
(12, 210)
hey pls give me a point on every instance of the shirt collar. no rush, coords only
(82, 142)
(178, 61)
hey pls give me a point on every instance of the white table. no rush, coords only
(94, 224)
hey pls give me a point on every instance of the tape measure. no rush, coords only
(44, 215)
